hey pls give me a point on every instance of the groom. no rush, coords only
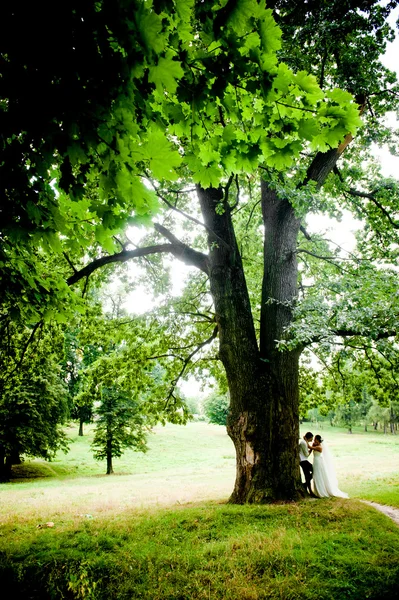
(304, 452)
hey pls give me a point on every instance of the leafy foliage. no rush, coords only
(120, 425)
(198, 84)
(33, 397)
(216, 408)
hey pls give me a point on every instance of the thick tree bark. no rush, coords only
(263, 421)
(279, 292)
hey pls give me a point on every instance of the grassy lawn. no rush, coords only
(160, 529)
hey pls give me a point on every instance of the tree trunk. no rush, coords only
(263, 420)
(5, 466)
(80, 427)
(110, 469)
(15, 458)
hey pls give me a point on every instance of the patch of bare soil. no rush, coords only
(389, 511)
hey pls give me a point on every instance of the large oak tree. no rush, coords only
(214, 94)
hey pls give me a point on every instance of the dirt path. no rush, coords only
(389, 511)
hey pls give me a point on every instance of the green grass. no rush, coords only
(160, 529)
(197, 445)
(314, 549)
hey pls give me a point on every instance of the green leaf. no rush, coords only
(229, 133)
(52, 240)
(248, 162)
(184, 8)
(339, 96)
(308, 128)
(283, 79)
(104, 237)
(145, 200)
(242, 16)
(207, 154)
(150, 27)
(162, 156)
(166, 73)
(76, 154)
(308, 83)
(270, 35)
(208, 176)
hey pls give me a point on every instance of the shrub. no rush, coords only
(216, 408)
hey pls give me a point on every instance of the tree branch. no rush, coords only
(354, 192)
(183, 252)
(178, 249)
(181, 212)
(70, 263)
(329, 259)
(172, 207)
(305, 233)
(197, 314)
(382, 335)
(187, 360)
(345, 333)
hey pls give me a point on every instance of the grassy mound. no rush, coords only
(33, 470)
(323, 549)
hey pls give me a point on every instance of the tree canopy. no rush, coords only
(127, 89)
(231, 121)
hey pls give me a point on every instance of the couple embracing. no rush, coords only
(322, 470)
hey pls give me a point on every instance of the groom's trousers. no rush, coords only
(307, 469)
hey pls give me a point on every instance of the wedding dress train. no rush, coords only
(325, 483)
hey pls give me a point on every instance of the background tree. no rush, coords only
(216, 408)
(379, 415)
(120, 425)
(33, 397)
(80, 403)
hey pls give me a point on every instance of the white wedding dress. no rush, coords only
(325, 483)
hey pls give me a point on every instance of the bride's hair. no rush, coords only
(318, 438)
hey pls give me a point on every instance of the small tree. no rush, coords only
(216, 408)
(347, 414)
(120, 425)
(379, 414)
(83, 405)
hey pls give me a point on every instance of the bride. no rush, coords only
(325, 482)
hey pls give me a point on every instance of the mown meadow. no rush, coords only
(161, 527)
